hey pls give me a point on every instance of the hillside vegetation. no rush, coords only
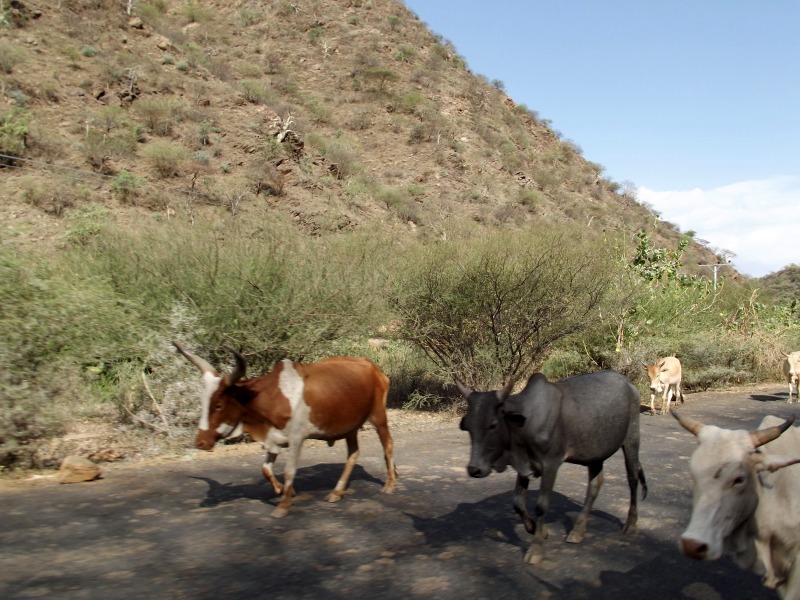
(306, 179)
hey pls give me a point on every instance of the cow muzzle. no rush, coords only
(694, 548)
(206, 439)
(477, 471)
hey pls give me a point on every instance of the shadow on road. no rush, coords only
(494, 517)
(776, 397)
(687, 579)
(316, 478)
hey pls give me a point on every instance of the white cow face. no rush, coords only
(725, 495)
(725, 468)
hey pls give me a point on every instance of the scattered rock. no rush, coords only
(76, 469)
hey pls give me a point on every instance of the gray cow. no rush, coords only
(581, 420)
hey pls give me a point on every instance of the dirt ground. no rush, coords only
(197, 525)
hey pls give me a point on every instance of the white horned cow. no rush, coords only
(326, 400)
(746, 503)
(665, 378)
(791, 371)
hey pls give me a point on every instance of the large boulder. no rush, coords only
(76, 469)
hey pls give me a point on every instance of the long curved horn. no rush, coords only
(687, 423)
(465, 391)
(763, 436)
(239, 371)
(198, 362)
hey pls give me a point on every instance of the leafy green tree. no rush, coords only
(489, 310)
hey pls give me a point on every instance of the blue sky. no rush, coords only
(697, 103)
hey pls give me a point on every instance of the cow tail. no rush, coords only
(642, 481)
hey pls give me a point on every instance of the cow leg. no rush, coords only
(652, 403)
(764, 551)
(266, 469)
(292, 458)
(350, 463)
(678, 393)
(666, 399)
(634, 472)
(382, 427)
(535, 552)
(520, 502)
(792, 583)
(595, 481)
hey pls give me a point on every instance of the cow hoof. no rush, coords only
(574, 538)
(333, 497)
(387, 489)
(279, 512)
(535, 554)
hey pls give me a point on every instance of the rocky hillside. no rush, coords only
(340, 113)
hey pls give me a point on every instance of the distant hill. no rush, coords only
(339, 113)
(782, 286)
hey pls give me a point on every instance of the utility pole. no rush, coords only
(715, 268)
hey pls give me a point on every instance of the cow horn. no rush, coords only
(687, 423)
(465, 391)
(763, 436)
(196, 360)
(503, 393)
(239, 371)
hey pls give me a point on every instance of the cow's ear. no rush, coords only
(514, 418)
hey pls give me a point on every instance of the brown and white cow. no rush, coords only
(745, 502)
(326, 400)
(665, 376)
(791, 371)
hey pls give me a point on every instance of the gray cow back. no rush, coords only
(588, 417)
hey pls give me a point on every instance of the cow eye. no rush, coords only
(492, 425)
(738, 481)
(218, 406)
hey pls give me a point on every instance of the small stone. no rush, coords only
(76, 469)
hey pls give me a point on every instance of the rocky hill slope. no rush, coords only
(340, 113)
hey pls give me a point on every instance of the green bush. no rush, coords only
(102, 145)
(343, 160)
(160, 114)
(166, 157)
(56, 326)
(255, 92)
(14, 127)
(125, 186)
(490, 309)
(197, 14)
(10, 56)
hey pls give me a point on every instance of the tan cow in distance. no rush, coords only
(791, 370)
(665, 376)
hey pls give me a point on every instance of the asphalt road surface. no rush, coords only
(200, 527)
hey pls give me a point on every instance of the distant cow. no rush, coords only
(581, 420)
(791, 370)
(665, 376)
(326, 400)
(745, 503)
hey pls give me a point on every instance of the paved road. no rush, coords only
(201, 528)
